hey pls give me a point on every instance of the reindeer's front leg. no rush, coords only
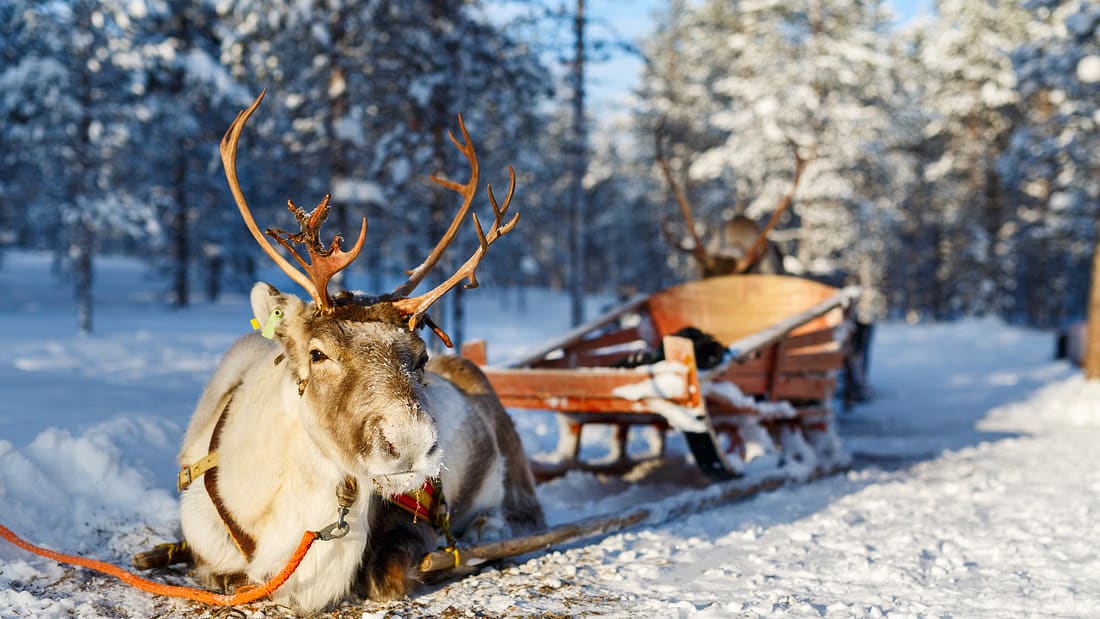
(390, 568)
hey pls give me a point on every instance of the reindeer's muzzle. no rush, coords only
(405, 453)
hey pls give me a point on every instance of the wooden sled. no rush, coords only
(785, 342)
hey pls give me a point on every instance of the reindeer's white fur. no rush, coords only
(279, 469)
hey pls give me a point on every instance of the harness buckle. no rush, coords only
(183, 480)
(336, 530)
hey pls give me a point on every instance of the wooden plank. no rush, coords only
(754, 384)
(812, 362)
(735, 374)
(760, 363)
(734, 306)
(476, 351)
(581, 362)
(613, 338)
(605, 405)
(826, 321)
(577, 333)
(750, 344)
(601, 360)
(804, 388)
(718, 407)
(681, 350)
(565, 390)
(812, 338)
(561, 383)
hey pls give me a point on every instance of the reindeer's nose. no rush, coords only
(410, 445)
(389, 448)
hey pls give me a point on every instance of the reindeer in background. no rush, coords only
(740, 246)
(335, 414)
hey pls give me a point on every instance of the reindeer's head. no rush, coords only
(356, 364)
(740, 244)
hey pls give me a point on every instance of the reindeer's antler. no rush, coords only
(323, 262)
(414, 308)
(697, 249)
(761, 242)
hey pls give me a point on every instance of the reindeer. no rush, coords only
(740, 245)
(341, 396)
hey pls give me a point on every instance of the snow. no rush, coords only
(974, 488)
(1088, 69)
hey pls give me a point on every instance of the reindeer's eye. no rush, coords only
(316, 355)
(421, 361)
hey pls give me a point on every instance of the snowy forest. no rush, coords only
(952, 161)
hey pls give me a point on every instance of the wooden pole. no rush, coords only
(473, 557)
(1092, 333)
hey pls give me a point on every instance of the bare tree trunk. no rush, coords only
(374, 253)
(339, 170)
(83, 234)
(181, 238)
(457, 296)
(1092, 334)
(83, 248)
(580, 165)
(181, 241)
(214, 265)
(458, 316)
(439, 214)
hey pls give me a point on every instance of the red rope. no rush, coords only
(244, 595)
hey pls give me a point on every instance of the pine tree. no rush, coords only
(68, 107)
(973, 105)
(1049, 165)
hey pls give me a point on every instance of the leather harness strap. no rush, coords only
(189, 474)
(428, 503)
(244, 542)
(207, 467)
(421, 503)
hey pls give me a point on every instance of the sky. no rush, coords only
(612, 81)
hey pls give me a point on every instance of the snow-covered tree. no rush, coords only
(66, 99)
(1051, 161)
(970, 95)
(183, 100)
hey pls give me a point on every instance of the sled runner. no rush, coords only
(757, 377)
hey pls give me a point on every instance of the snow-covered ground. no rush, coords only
(974, 491)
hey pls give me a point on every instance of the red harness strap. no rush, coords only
(421, 503)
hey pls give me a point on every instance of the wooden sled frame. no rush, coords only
(786, 339)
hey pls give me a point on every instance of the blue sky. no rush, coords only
(633, 20)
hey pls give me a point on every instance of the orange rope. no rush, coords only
(242, 596)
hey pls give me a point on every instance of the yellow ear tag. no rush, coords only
(255, 324)
(272, 321)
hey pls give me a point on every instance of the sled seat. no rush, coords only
(784, 342)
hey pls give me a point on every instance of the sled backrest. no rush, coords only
(735, 306)
(729, 308)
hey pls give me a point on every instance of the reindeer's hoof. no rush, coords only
(389, 577)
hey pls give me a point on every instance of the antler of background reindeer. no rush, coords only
(324, 262)
(698, 251)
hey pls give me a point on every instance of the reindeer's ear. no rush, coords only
(268, 304)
